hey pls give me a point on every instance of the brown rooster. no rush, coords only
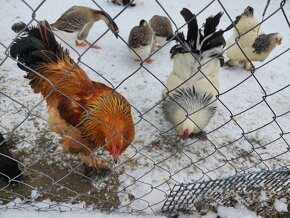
(88, 114)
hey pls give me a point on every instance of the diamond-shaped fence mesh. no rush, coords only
(159, 171)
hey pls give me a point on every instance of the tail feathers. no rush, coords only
(47, 35)
(190, 18)
(19, 26)
(36, 45)
(211, 24)
(213, 38)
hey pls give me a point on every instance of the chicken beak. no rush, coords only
(115, 160)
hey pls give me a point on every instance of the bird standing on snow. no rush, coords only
(88, 115)
(256, 45)
(141, 42)
(193, 83)
(162, 28)
(8, 166)
(80, 20)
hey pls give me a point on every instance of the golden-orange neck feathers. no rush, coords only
(108, 117)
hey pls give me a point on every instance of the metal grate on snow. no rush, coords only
(183, 196)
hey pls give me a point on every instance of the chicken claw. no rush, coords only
(101, 171)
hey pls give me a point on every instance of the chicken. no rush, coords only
(9, 170)
(192, 86)
(141, 42)
(89, 115)
(255, 45)
(124, 2)
(162, 28)
(80, 20)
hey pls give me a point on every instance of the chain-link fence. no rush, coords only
(249, 131)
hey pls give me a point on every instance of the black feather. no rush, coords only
(19, 26)
(209, 38)
(262, 43)
(192, 32)
(211, 24)
(36, 45)
(8, 166)
(126, 2)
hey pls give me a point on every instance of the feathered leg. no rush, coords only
(95, 166)
(230, 63)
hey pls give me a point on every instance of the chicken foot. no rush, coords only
(95, 166)
(247, 65)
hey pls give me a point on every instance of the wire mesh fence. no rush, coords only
(249, 131)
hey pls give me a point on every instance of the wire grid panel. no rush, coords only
(182, 197)
(157, 159)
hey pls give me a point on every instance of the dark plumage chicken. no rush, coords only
(8, 165)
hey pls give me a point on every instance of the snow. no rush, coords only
(229, 212)
(35, 214)
(264, 197)
(246, 138)
(72, 211)
(281, 205)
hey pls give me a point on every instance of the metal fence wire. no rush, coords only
(247, 145)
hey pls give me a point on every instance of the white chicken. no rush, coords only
(192, 86)
(255, 45)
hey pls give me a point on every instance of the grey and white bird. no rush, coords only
(80, 20)
(141, 42)
(162, 28)
(253, 44)
(192, 86)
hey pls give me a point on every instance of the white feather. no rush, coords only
(143, 51)
(205, 81)
(160, 40)
(248, 32)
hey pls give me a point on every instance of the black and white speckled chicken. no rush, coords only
(9, 170)
(193, 83)
(254, 43)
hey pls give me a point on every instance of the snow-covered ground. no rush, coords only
(245, 138)
(224, 212)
